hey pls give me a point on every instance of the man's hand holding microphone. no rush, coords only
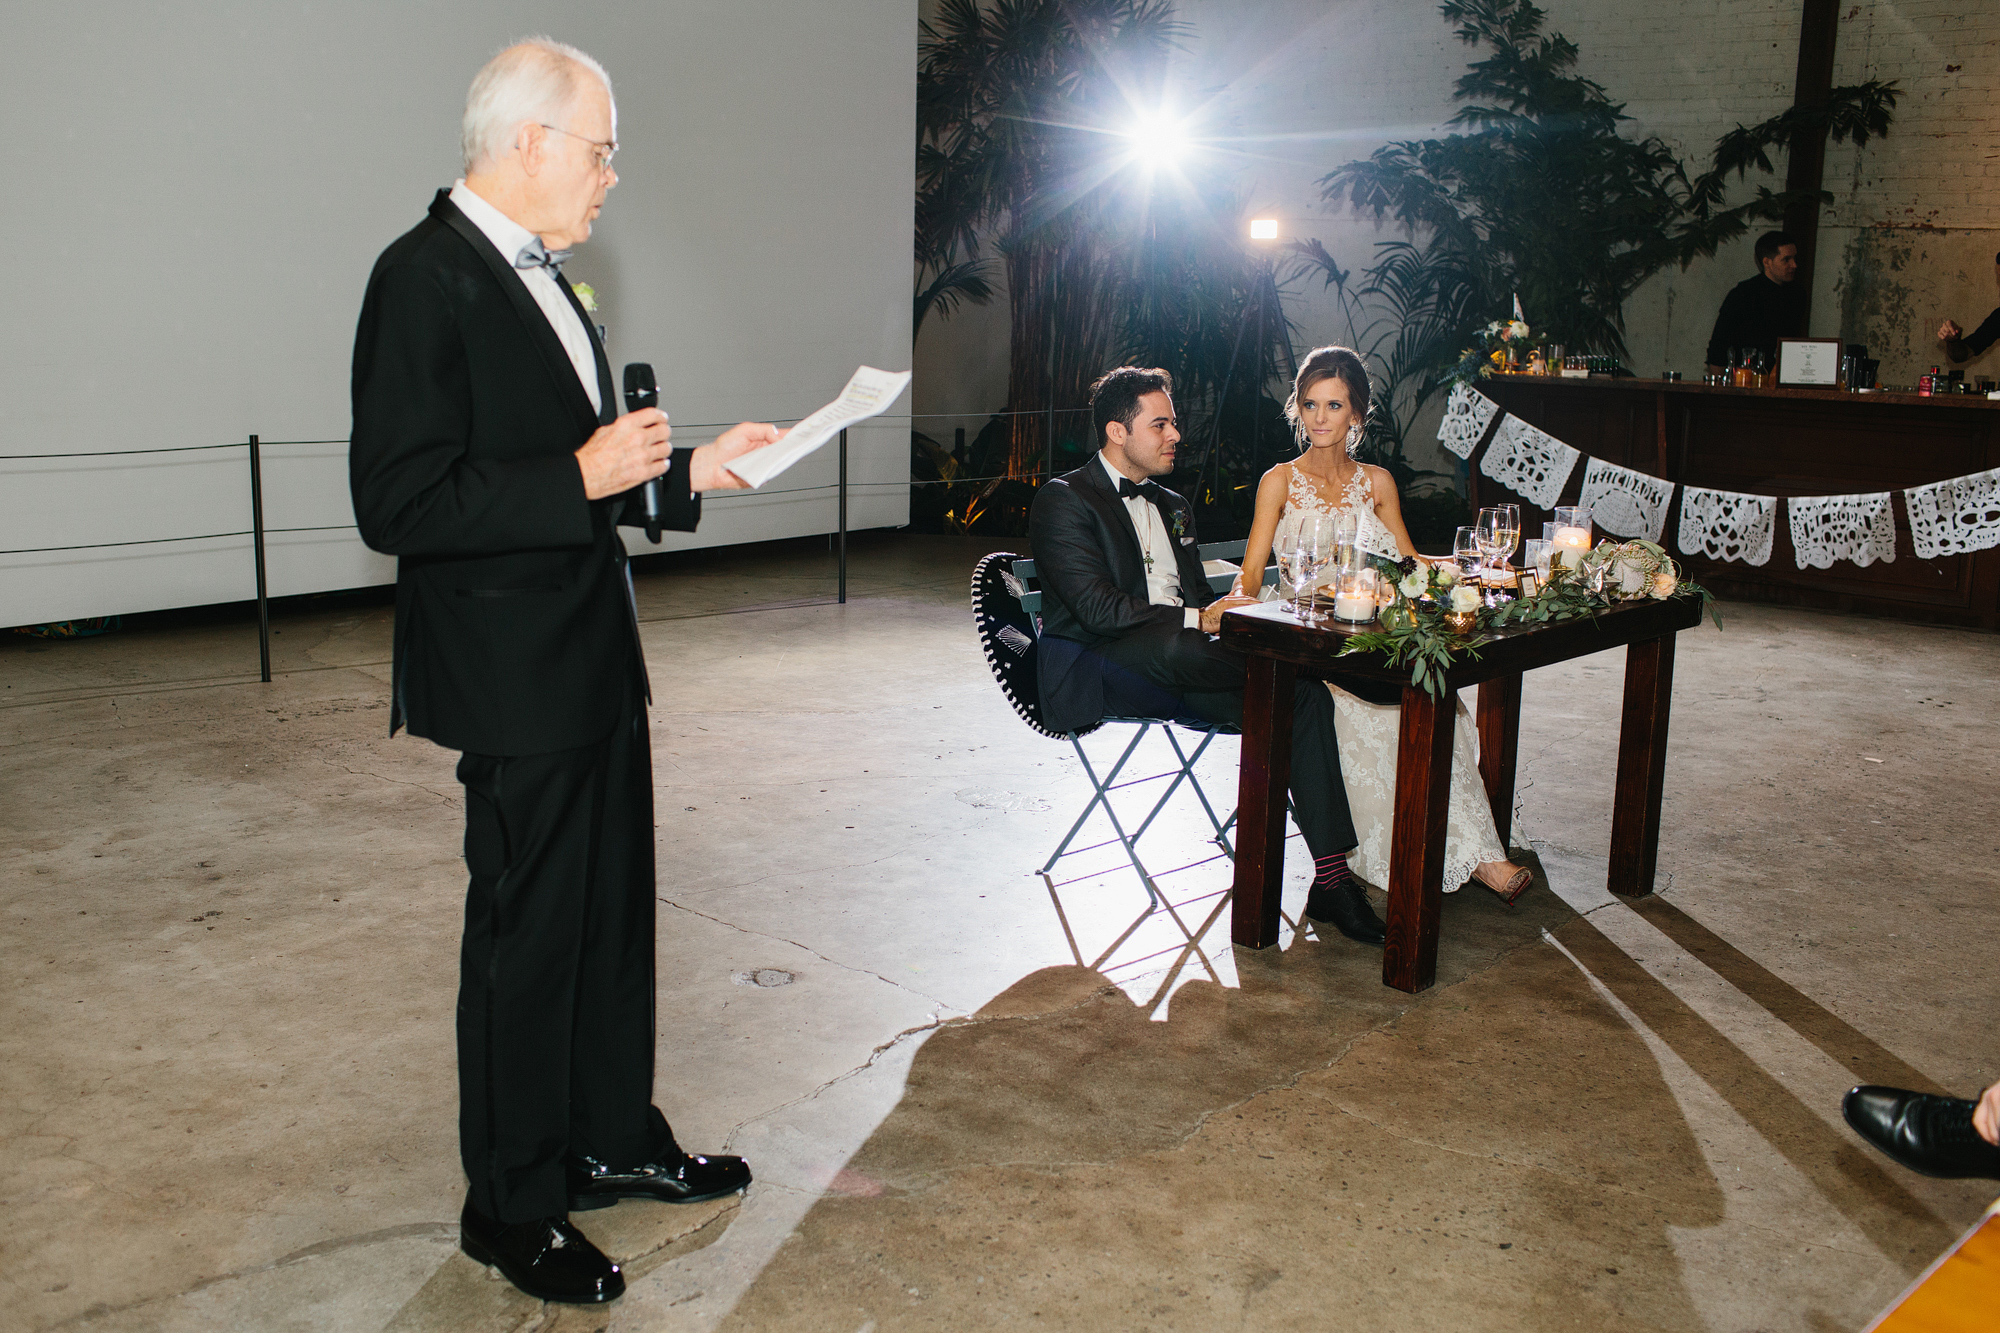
(637, 448)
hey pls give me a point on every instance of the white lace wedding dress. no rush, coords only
(1367, 734)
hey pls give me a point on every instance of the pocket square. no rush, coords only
(1187, 541)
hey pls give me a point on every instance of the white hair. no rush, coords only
(534, 79)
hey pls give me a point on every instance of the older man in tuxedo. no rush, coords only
(1128, 622)
(488, 456)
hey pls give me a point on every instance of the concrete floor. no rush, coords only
(975, 1098)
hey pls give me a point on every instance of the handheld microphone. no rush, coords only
(641, 390)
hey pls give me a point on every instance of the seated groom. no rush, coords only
(1127, 617)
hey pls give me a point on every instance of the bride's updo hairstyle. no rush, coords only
(1326, 363)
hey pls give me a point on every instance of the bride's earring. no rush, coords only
(1353, 438)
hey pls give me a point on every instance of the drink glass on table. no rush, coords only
(1465, 551)
(1492, 534)
(1510, 516)
(1319, 544)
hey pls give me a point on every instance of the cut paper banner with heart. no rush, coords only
(1530, 462)
(1826, 528)
(1955, 517)
(1467, 414)
(1727, 525)
(1626, 503)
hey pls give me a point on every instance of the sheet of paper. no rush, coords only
(867, 394)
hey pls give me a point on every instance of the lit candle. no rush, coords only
(1571, 545)
(1354, 596)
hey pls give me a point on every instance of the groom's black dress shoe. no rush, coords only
(677, 1177)
(1345, 907)
(547, 1258)
(1933, 1135)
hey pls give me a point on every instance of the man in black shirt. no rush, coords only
(1961, 348)
(1758, 311)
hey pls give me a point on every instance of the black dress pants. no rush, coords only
(555, 999)
(1207, 678)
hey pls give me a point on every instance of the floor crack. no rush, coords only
(806, 948)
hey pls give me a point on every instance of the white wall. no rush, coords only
(196, 194)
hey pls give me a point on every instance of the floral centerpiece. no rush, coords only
(1437, 615)
(1496, 347)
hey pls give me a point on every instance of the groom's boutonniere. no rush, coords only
(586, 296)
(1180, 523)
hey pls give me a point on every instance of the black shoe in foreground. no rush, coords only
(547, 1258)
(678, 1177)
(1931, 1135)
(1345, 907)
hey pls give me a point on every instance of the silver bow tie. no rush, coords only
(535, 255)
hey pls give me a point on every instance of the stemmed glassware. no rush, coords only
(1491, 535)
(1318, 546)
(1510, 515)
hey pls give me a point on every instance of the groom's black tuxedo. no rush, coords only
(517, 642)
(1106, 650)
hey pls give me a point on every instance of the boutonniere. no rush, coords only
(1180, 523)
(586, 296)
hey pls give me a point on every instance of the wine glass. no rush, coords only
(1511, 515)
(1285, 549)
(1465, 550)
(1491, 534)
(1319, 543)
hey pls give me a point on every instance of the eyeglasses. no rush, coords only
(605, 150)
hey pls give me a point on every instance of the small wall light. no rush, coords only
(1263, 229)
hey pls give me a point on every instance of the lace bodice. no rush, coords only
(1358, 497)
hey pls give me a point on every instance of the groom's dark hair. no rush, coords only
(1115, 396)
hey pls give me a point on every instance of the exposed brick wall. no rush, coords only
(1909, 239)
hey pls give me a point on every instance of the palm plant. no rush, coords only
(1543, 196)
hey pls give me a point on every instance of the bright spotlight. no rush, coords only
(1158, 141)
(1263, 229)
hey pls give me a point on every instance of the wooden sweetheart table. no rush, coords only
(1281, 649)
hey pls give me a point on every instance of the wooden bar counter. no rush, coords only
(1779, 442)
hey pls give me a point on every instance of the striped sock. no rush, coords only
(1330, 872)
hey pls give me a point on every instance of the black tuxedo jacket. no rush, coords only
(1093, 578)
(515, 626)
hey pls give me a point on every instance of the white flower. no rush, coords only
(1516, 329)
(1632, 575)
(1445, 573)
(1464, 598)
(586, 296)
(1413, 584)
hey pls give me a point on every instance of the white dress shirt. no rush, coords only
(1163, 575)
(508, 236)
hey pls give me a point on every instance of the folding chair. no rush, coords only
(1006, 611)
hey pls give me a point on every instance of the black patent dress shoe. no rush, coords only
(547, 1258)
(678, 1177)
(1931, 1135)
(1346, 908)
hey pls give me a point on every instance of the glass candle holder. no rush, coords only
(1570, 534)
(1354, 596)
(1538, 553)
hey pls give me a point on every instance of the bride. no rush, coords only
(1328, 404)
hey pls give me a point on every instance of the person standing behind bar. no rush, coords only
(1960, 348)
(488, 457)
(1760, 310)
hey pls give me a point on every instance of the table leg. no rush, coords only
(1642, 765)
(1264, 772)
(1499, 744)
(1416, 840)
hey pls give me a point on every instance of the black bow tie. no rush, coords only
(1149, 491)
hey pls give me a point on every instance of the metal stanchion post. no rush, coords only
(257, 546)
(843, 518)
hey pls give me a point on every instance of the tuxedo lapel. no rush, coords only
(608, 412)
(1095, 487)
(533, 321)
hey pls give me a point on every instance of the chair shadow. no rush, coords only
(1304, 1140)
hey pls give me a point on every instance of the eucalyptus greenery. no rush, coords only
(1416, 634)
